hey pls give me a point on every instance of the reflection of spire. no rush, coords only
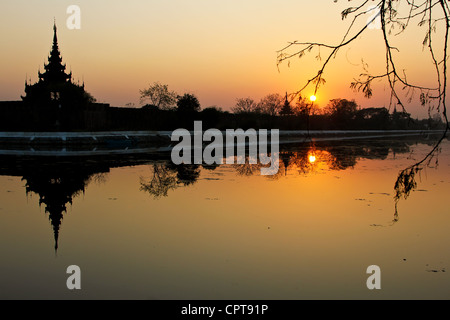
(56, 186)
(55, 194)
(55, 216)
(286, 159)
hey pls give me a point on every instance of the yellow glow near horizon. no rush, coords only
(313, 98)
(312, 158)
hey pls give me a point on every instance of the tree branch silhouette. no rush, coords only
(430, 13)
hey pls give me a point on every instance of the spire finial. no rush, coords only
(55, 39)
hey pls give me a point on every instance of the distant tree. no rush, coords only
(271, 104)
(301, 106)
(188, 103)
(373, 113)
(304, 106)
(341, 108)
(159, 95)
(434, 122)
(373, 118)
(245, 105)
(341, 112)
(213, 108)
(401, 119)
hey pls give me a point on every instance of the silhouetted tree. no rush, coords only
(341, 112)
(373, 118)
(271, 104)
(188, 103)
(159, 95)
(401, 120)
(245, 105)
(303, 107)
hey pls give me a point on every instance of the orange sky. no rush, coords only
(218, 50)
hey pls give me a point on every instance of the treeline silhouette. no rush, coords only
(339, 114)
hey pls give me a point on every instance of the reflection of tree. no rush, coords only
(162, 181)
(337, 155)
(309, 159)
(247, 169)
(211, 167)
(300, 161)
(167, 176)
(343, 159)
(187, 174)
(406, 179)
(406, 182)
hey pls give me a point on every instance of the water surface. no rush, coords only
(142, 228)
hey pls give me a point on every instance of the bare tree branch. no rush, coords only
(431, 14)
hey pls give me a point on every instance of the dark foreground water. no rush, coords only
(142, 228)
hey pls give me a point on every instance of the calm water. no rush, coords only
(143, 228)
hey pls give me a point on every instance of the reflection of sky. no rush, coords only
(235, 236)
(219, 50)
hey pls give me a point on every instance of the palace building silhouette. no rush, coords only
(54, 102)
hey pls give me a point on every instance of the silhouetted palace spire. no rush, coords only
(55, 69)
(55, 103)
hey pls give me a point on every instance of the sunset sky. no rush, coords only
(217, 50)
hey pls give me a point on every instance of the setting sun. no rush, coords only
(312, 98)
(312, 158)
